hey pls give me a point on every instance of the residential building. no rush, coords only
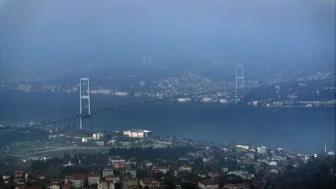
(105, 184)
(207, 99)
(132, 172)
(149, 182)
(243, 174)
(134, 133)
(114, 178)
(107, 172)
(116, 159)
(93, 178)
(77, 180)
(97, 136)
(185, 168)
(208, 184)
(132, 181)
(164, 170)
(53, 186)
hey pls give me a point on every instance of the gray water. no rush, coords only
(304, 129)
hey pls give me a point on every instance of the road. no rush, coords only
(61, 149)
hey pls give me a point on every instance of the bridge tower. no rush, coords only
(239, 80)
(84, 95)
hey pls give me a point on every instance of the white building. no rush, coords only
(105, 184)
(93, 178)
(138, 133)
(185, 168)
(53, 186)
(164, 170)
(245, 147)
(119, 93)
(223, 100)
(206, 99)
(275, 171)
(184, 99)
(207, 184)
(102, 91)
(97, 136)
(262, 150)
(107, 172)
(116, 159)
(84, 140)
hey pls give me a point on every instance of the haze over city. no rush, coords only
(178, 94)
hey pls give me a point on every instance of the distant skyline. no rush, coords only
(64, 32)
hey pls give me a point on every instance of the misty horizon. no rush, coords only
(73, 33)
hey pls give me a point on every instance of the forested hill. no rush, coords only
(318, 173)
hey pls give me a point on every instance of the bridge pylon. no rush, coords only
(84, 95)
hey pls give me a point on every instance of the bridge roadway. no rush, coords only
(75, 116)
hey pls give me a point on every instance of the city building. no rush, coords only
(97, 136)
(164, 170)
(119, 93)
(223, 100)
(114, 178)
(207, 99)
(93, 178)
(105, 184)
(53, 186)
(208, 184)
(134, 133)
(107, 172)
(77, 180)
(262, 150)
(116, 159)
(245, 147)
(132, 181)
(149, 182)
(185, 168)
(184, 99)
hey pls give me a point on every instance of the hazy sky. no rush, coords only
(72, 31)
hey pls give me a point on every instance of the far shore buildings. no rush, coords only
(135, 133)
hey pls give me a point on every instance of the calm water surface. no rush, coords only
(306, 129)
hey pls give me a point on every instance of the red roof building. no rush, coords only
(149, 182)
(93, 178)
(114, 178)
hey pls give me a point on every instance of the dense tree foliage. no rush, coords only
(186, 185)
(315, 174)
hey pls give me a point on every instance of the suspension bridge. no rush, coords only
(86, 113)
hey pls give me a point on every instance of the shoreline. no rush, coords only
(188, 102)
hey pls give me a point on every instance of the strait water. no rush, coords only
(304, 129)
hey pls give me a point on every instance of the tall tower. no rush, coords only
(239, 80)
(84, 95)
